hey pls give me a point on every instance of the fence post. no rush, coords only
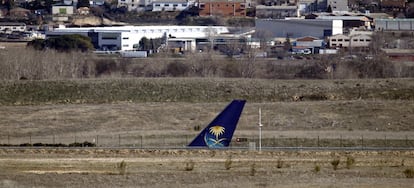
(406, 140)
(297, 142)
(362, 141)
(141, 142)
(119, 140)
(318, 141)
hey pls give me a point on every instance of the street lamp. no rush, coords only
(260, 129)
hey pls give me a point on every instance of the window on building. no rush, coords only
(334, 40)
(125, 45)
(166, 5)
(184, 4)
(125, 38)
(62, 10)
(346, 40)
(355, 40)
(175, 5)
(340, 40)
(361, 40)
(157, 5)
(368, 40)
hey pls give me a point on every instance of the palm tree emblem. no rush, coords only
(216, 131)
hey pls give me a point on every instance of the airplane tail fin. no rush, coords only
(219, 132)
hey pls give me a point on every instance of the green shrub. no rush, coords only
(177, 69)
(189, 166)
(409, 173)
(349, 162)
(335, 163)
(317, 168)
(279, 163)
(122, 167)
(227, 163)
(253, 169)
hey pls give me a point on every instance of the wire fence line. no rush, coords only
(159, 141)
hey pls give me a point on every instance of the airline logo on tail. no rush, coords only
(219, 132)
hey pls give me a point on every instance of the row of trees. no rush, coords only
(63, 43)
(51, 64)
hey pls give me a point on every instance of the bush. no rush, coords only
(64, 43)
(177, 69)
(189, 166)
(227, 163)
(349, 162)
(83, 144)
(335, 163)
(279, 163)
(409, 173)
(253, 169)
(122, 167)
(317, 168)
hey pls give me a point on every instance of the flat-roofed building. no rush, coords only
(127, 38)
(276, 12)
(394, 24)
(296, 28)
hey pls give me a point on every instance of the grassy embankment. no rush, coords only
(200, 90)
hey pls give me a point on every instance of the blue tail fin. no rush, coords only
(219, 132)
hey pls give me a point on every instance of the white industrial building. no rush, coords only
(126, 38)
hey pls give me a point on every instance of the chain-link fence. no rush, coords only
(177, 141)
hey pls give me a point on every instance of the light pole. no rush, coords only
(260, 129)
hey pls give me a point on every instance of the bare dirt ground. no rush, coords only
(202, 168)
(174, 123)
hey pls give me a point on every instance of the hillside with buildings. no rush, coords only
(282, 29)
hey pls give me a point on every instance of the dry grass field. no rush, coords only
(203, 168)
(158, 113)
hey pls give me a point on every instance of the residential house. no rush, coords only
(308, 43)
(83, 10)
(8, 27)
(276, 12)
(135, 5)
(169, 5)
(338, 5)
(3, 12)
(62, 12)
(397, 5)
(222, 8)
(356, 39)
